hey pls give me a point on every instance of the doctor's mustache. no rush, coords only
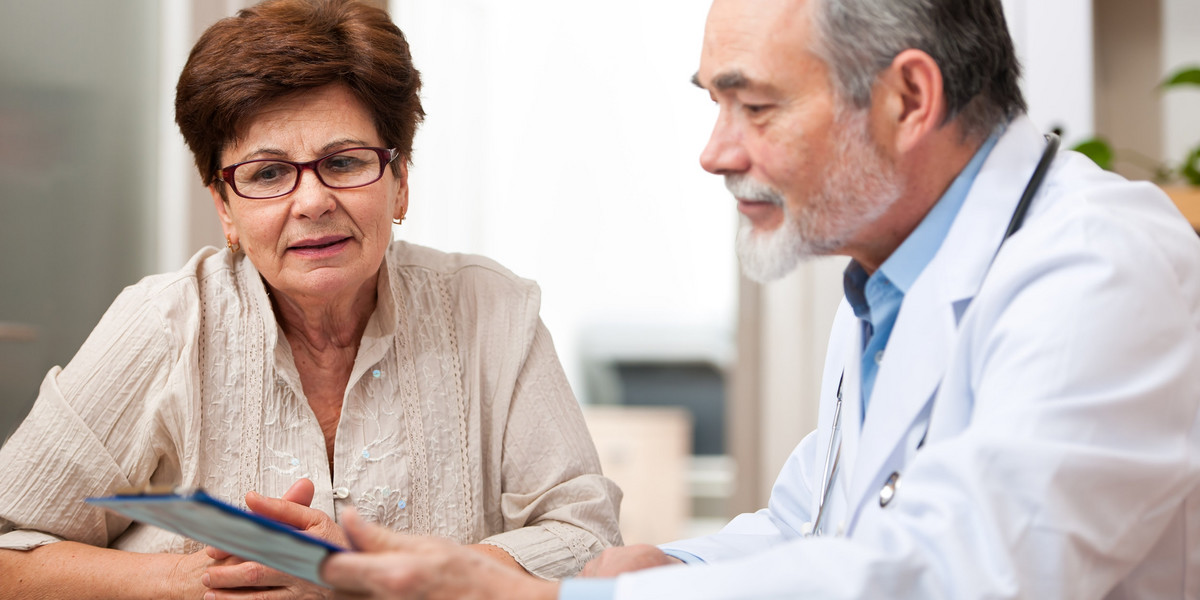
(744, 187)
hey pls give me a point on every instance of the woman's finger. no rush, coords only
(247, 574)
(262, 594)
(301, 492)
(284, 511)
(216, 553)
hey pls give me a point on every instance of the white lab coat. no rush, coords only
(1058, 396)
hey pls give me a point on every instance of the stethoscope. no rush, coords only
(832, 455)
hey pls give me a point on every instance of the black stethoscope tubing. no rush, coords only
(1031, 189)
(1014, 224)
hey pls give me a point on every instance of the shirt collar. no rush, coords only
(907, 262)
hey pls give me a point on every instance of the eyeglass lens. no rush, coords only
(346, 169)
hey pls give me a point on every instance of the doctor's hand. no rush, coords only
(233, 577)
(614, 561)
(391, 566)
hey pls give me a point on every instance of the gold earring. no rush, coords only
(233, 246)
(400, 221)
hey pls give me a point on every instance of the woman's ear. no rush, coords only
(401, 207)
(222, 205)
(908, 96)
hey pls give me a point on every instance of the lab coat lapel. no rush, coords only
(925, 332)
(966, 254)
(913, 365)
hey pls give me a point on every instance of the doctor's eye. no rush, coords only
(756, 109)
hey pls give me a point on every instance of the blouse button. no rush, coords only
(341, 493)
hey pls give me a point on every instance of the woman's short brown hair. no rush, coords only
(280, 47)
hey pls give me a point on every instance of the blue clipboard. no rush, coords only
(246, 535)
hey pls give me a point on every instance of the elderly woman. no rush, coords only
(314, 362)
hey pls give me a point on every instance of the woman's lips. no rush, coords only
(320, 247)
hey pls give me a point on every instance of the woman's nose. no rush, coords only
(311, 198)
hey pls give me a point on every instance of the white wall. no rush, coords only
(1181, 47)
(1054, 44)
(562, 139)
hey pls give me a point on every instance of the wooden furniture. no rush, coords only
(1187, 198)
(645, 450)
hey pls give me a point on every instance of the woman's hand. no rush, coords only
(231, 577)
(184, 580)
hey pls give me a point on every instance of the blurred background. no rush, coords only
(562, 139)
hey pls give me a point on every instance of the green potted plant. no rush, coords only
(1180, 180)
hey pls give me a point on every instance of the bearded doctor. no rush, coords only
(1009, 404)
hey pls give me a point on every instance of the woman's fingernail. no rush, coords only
(204, 580)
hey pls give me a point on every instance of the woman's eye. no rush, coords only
(269, 173)
(344, 163)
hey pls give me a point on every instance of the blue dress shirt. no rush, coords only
(876, 302)
(587, 589)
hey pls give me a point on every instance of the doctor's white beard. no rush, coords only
(858, 188)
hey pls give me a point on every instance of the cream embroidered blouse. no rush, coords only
(457, 420)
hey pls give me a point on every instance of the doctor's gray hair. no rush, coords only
(968, 39)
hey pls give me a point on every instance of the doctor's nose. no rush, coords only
(724, 153)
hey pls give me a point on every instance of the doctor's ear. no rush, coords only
(908, 96)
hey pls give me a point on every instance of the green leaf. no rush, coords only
(1098, 150)
(1185, 76)
(1191, 167)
